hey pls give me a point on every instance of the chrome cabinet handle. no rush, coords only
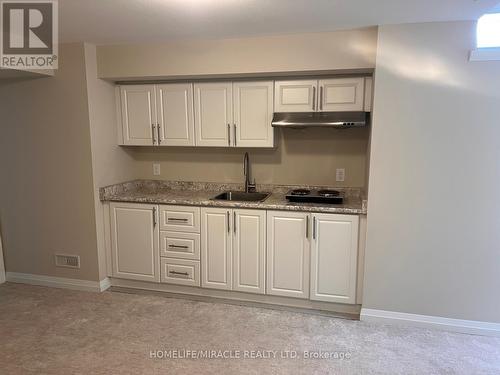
(179, 273)
(179, 246)
(235, 134)
(321, 98)
(176, 219)
(314, 98)
(314, 228)
(228, 224)
(154, 217)
(228, 134)
(307, 226)
(159, 137)
(153, 126)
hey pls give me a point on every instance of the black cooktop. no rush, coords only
(315, 196)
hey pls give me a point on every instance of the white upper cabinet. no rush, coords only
(216, 248)
(135, 241)
(138, 113)
(324, 95)
(213, 110)
(341, 94)
(334, 258)
(295, 96)
(288, 254)
(175, 114)
(253, 114)
(249, 251)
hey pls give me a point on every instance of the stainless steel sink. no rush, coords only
(241, 196)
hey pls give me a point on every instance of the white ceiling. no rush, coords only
(129, 21)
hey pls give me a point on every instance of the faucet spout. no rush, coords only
(249, 186)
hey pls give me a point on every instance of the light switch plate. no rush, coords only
(156, 169)
(340, 175)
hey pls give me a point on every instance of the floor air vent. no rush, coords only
(71, 261)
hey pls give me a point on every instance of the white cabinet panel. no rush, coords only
(253, 114)
(175, 114)
(181, 272)
(249, 249)
(134, 241)
(341, 94)
(213, 114)
(180, 218)
(138, 114)
(295, 96)
(216, 248)
(334, 258)
(180, 245)
(288, 252)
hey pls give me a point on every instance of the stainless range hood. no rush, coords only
(340, 120)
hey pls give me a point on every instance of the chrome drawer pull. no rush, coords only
(179, 246)
(176, 219)
(179, 273)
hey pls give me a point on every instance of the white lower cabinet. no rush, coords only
(334, 258)
(134, 241)
(216, 248)
(281, 253)
(249, 251)
(288, 250)
(233, 249)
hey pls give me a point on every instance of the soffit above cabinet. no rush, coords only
(288, 55)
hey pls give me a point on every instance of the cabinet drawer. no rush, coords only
(179, 271)
(180, 245)
(180, 218)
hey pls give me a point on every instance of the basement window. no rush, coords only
(488, 38)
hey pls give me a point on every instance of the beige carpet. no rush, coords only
(55, 331)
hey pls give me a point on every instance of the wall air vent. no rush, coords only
(71, 261)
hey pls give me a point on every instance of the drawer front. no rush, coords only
(180, 271)
(180, 245)
(180, 219)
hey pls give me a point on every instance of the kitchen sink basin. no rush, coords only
(241, 196)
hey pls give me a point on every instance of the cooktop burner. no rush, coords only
(300, 192)
(315, 196)
(328, 193)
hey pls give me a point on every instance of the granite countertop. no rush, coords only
(200, 194)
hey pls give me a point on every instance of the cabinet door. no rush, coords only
(288, 249)
(334, 258)
(253, 114)
(175, 114)
(216, 248)
(213, 114)
(138, 115)
(295, 96)
(134, 236)
(341, 94)
(249, 249)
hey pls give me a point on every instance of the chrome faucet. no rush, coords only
(249, 186)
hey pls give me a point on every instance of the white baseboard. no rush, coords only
(104, 284)
(426, 321)
(58, 282)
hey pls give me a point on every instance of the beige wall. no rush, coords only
(305, 156)
(110, 163)
(46, 191)
(434, 210)
(340, 50)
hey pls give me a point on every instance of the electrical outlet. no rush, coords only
(156, 169)
(340, 175)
